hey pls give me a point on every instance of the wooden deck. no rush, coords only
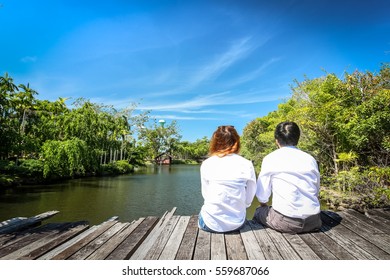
(346, 235)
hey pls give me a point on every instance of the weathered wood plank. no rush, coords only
(265, 242)
(336, 249)
(318, 248)
(202, 247)
(21, 240)
(218, 247)
(144, 248)
(132, 241)
(54, 252)
(346, 238)
(187, 245)
(235, 248)
(57, 239)
(37, 241)
(103, 251)
(384, 213)
(155, 251)
(252, 247)
(18, 240)
(172, 246)
(87, 250)
(21, 223)
(284, 248)
(80, 243)
(302, 248)
(375, 221)
(381, 240)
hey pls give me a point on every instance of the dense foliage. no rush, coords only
(48, 139)
(345, 125)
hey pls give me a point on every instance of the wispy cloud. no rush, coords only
(181, 117)
(236, 52)
(254, 74)
(29, 59)
(215, 100)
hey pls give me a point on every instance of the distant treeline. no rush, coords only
(346, 126)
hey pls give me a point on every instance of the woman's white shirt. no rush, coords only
(228, 188)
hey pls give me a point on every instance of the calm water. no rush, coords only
(150, 191)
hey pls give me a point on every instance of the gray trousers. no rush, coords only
(267, 216)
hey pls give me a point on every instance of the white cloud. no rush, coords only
(29, 59)
(236, 52)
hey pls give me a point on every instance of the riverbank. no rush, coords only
(31, 172)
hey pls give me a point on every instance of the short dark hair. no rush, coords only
(287, 133)
(225, 140)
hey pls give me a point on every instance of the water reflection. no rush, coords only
(148, 192)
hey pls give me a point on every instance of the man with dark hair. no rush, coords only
(293, 179)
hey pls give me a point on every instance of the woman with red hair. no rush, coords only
(228, 183)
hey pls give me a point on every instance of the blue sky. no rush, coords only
(202, 63)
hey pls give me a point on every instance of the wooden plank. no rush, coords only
(337, 250)
(265, 242)
(16, 224)
(187, 245)
(318, 248)
(55, 241)
(235, 248)
(80, 243)
(31, 246)
(84, 252)
(33, 236)
(18, 240)
(384, 213)
(5, 238)
(218, 247)
(155, 251)
(303, 249)
(143, 249)
(252, 247)
(202, 247)
(54, 252)
(346, 238)
(133, 240)
(103, 251)
(173, 244)
(354, 234)
(286, 251)
(375, 221)
(381, 240)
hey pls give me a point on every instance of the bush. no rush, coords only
(123, 167)
(359, 188)
(30, 168)
(117, 167)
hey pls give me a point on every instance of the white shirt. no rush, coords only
(292, 177)
(228, 188)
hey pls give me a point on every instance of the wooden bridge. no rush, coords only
(346, 235)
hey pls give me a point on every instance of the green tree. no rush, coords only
(160, 138)
(67, 158)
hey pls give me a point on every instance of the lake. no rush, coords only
(148, 192)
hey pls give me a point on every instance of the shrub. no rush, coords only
(30, 168)
(117, 167)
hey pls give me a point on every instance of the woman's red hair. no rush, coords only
(225, 140)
